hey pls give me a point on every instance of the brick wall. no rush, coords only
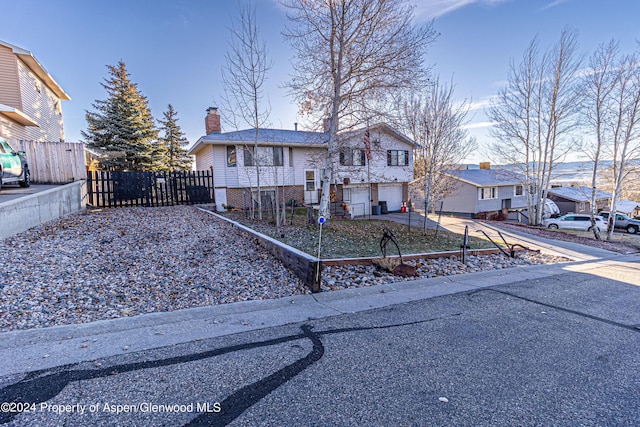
(234, 195)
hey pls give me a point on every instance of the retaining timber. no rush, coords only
(308, 268)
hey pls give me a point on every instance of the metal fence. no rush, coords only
(112, 189)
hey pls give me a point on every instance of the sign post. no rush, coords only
(320, 222)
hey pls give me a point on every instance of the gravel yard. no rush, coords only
(119, 262)
(128, 261)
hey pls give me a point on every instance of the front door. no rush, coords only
(310, 187)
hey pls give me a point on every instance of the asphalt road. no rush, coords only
(563, 349)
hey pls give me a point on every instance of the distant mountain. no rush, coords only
(568, 173)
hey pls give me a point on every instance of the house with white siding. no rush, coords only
(484, 192)
(30, 99)
(294, 161)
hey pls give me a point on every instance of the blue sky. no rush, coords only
(174, 50)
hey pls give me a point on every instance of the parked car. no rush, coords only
(575, 222)
(623, 222)
(13, 166)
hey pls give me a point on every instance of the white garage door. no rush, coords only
(359, 204)
(392, 194)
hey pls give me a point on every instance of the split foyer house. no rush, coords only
(481, 193)
(30, 99)
(295, 160)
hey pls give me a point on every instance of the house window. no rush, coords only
(518, 190)
(265, 156)
(346, 194)
(397, 158)
(290, 157)
(581, 207)
(487, 193)
(352, 157)
(231, 156)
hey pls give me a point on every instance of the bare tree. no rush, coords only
(243, 76)
(350, 57)
(624, 127)
(599, 82)
(536, 114)
(437, 123)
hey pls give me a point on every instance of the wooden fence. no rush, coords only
(53, 162)
(111, 189)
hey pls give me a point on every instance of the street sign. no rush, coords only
(321, 220)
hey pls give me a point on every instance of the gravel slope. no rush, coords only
(127, 261)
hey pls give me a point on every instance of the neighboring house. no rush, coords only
(294, 160)
(483, 193)
(30, 100)
(628, 207)
(578, 199)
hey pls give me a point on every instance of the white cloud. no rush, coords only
(436, 8)
(554, 4)
(479, 125)
(481, 104)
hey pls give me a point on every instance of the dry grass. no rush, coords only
(357, 238)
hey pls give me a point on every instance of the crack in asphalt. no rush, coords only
(41, 386)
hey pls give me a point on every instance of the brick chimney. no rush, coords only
(212, 121)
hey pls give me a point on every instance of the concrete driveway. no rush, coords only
(476, 228)
(14, 191)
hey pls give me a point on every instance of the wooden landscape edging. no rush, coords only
(306, 266)
(302, 264)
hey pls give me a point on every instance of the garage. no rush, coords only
(359, 204)
(392, 194)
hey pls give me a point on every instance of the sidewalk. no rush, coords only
(573, 251)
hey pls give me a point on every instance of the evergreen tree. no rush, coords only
(121, 130)
(174, 141)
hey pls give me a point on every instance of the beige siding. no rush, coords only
(12, 130)
(9, 81)
(39, 102)
(204, 158)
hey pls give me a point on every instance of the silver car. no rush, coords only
(575, 222)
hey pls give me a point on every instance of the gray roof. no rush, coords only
(265, 136)
(486, 177)
(269, 135)
(578, 194)
(285, 137)
(626, 206)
